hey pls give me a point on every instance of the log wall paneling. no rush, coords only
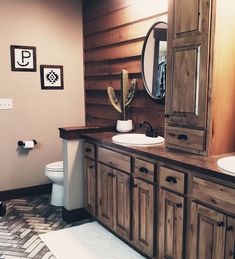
(113, 39)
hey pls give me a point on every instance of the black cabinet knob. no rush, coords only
(229, 228)
(88, 150)
(182, 137)
(135, 186)
(143, 170)
(179, 205)
(171, 179)
(220, 224)
(111, 175)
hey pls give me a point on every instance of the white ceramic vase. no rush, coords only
(124, 125)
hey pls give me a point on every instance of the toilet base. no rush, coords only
(57, 195)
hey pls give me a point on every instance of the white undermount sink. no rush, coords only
(136, 139)
(227, 164)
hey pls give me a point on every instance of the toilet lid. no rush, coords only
(55, 166)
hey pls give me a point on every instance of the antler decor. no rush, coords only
(127, 94)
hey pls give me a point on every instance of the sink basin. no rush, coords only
(136, 139)
(227, 164)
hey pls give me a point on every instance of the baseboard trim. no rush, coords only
(27, 191)
(71, 216)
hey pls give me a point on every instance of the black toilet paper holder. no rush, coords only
(21, 143)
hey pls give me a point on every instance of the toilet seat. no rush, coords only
(55, 166)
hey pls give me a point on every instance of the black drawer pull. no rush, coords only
(171, 179)
(166, 115)
(220, 224)
(111, 174)
(135, 186)
(178, 205)
(229, 228)
(91, 166)
(143, 170)
(182, 137)
(88, 150)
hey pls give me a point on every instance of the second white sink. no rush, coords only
(227, 164)
(136, 139)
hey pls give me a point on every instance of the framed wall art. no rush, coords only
(23, 58)
(52, 77)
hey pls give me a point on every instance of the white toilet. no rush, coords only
(54, 171)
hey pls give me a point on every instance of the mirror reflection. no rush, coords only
(154, 58)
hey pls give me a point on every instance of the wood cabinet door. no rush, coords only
(170, 225)
(207, 233)
(143, 202)
(230, 239)
(90, 186)
(188, 62)
(122, 204)
(105, 194)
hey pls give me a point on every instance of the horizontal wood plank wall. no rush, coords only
(114, 32)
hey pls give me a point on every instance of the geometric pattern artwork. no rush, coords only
(25, 219)
(51, 77)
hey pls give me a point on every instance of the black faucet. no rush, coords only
(150, 132)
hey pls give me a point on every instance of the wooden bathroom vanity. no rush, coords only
(165, 204)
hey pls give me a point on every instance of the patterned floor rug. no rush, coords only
(25, 219)
(87, 241)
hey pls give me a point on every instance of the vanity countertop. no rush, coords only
(202, 164)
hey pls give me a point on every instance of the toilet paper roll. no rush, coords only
(28, 144)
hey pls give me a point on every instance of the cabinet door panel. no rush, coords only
(90, 186)
(105, 195)
(188, 62)
(122, 204)
(190, 17)
(186, 21)
(143, 216)
(207, 233)
(171, 225)
(230, 239)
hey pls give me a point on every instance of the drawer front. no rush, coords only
(214, 194)
(190, 138)
(89, 150)
(172, 179)
(144, 169)
(115, 159)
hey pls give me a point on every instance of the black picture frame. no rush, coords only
(52, 77)
(23, 58)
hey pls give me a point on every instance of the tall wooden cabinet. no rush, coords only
(193, 118)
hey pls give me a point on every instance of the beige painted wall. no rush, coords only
(55, 28)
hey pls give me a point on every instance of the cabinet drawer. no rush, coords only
(172, 179)
(214, 194)
(115, 159)
(190, 138)
(144, 169)
(89, 150)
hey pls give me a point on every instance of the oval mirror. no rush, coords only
(154, 58)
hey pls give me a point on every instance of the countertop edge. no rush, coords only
(72, 133)
(219, 173)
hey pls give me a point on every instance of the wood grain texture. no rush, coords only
(171, 225)
(105, 193)
(114, 159)
(90, 186)
(114, 33)
(172, 179)
(214, 194)
(122, 221)
(205, 232)
(143, 200)
(123, 16)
